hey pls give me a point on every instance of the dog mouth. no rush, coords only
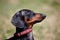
(43, 16)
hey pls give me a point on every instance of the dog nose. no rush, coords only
(43, 15)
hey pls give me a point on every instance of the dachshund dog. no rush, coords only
(24, 21)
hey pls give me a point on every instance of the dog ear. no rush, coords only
(17, 20)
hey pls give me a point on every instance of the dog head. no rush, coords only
(19, 18)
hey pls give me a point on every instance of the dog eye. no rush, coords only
(33, 13)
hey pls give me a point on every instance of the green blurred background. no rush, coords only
(48, 29)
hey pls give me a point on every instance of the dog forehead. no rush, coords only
(27, 13)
